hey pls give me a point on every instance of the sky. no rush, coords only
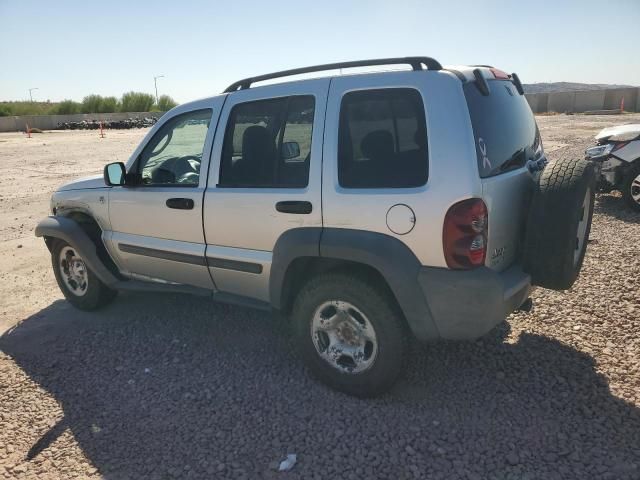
(69, 48)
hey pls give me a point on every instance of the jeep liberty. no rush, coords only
(363, 208)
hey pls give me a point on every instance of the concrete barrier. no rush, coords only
(533, 101)
(588, 100)
(613, 98)
(51, 122)
(561, 102)
(537, 101)
(543, 102)
(582, 101)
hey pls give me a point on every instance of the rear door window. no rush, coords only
(268, 143)
(382, 139)
(505, 130)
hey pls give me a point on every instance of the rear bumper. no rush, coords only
(467, 304)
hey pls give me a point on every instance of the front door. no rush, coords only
(157, 224)
(265, 179)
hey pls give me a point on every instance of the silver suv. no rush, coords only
(363, 208)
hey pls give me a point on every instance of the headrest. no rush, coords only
(254, 138)
(377, 144)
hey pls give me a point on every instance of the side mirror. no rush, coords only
(114, 174)
(290, 150)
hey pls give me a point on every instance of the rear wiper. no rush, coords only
(518, 159)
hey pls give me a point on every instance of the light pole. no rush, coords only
(31, 90)
(155, 83)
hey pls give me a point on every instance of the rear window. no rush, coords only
(504, 128)
(382, 139)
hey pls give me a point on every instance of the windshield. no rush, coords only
(504, 128)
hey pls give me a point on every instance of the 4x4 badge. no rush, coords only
(483, 150)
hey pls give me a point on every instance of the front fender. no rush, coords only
(68, 230)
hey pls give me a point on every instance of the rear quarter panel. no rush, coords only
(507, 198)
(453, 173)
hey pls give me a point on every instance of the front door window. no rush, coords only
(174, 155)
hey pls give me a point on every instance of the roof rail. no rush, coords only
(415, 62)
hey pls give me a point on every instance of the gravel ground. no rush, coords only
(179, 387)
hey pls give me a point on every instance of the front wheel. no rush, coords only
(350, 334)
(631, 187)
(78, 283)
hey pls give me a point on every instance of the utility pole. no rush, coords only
(155, 83)
(30, 95)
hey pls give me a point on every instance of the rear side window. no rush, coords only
(382, 139)
(268, 143)
(504, 128)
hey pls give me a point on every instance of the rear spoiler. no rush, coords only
(483, 85)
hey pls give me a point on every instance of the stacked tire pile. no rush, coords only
(125, 124)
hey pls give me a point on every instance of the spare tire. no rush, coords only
(559, 223)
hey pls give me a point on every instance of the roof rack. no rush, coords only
(415, 62)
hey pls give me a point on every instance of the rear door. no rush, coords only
(265, 180)
(508, 149)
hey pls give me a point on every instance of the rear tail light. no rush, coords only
(465, 234)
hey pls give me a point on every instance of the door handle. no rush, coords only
(180, 203)
(294, 206)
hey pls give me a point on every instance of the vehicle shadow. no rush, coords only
(612, 205)
(179, 387)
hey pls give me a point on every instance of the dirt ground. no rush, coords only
(175, 387)
(30, 170)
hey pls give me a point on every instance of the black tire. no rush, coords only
(554, 249)
(631, 186)
(378, 308)
(97, 294)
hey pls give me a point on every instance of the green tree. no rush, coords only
(166, 103)
(26, 108)
(91, 104)
(5, 111)
(136, 102)
(67, 107)
(109, 105)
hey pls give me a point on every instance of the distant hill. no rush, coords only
(567, 87)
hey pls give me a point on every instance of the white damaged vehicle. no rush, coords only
(618, 153)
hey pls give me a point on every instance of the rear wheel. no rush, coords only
(350, 334)
(78, 283)
(559, 223)
(631, 187)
